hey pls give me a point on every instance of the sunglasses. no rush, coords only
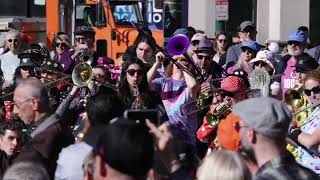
(79, 39)
(263, 64)
(195, 42)
(47, 72)
(224, 93)
(222, 40)
(132, 72)
(27, 68)
(14, 40)
(63, 45)
(315, 90)
(245, 49)
(297, 43)
(206, 58)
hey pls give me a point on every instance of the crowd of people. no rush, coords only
(228, 108)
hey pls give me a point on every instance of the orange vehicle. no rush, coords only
(109, 18)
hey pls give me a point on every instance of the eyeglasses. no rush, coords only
(195, 42)
(63, 45)
(315, 90)
(19, 104)
(263, 64)
(206, 58)
(132, 72)
(296, 43)
(14, 40)
(222, 40)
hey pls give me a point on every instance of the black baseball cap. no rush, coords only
(126, 147)
(306, 63)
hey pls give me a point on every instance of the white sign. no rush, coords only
(222, 10)
(40, 2)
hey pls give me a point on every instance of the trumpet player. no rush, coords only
(84, 45)
(233, 89)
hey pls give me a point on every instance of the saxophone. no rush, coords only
(137, 103)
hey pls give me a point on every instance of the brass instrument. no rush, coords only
(222, 110)
(137, 103)
(82, 74)
(294, 98)
(86, 57)
(177, 45)
(306, 108)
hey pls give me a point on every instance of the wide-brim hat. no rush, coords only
(205, 45)
(265, 56)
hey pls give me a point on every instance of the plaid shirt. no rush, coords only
(284, 168)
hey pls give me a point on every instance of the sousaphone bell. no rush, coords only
(82, 74)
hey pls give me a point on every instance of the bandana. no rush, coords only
(233, 84)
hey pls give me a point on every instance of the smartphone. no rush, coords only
(140, 115)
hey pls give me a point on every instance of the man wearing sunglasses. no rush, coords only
(296, 46)
(9, 61)
(84, 43)
(233, 90)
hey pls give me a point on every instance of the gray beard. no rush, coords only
(295, 52)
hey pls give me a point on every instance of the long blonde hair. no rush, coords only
(223, 164)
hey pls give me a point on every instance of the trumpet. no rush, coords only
(86, 57)
(222, 110)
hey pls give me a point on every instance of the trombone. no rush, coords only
(306, 108)
(177, 45)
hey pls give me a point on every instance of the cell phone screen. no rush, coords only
(140, 115)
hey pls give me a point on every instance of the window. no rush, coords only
(86, 15)
(124, 13)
